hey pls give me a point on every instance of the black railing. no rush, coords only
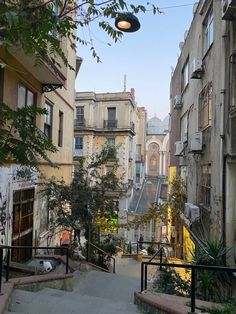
(78, 123)
(8, 257)
(110, 124)
(193, 269)
(98, 257)
(143, 245)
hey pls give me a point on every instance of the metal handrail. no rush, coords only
(159, 251)
(21, 247)
(103, 253)
(193, 268)
(159, 244)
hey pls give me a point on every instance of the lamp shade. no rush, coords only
(127, 22)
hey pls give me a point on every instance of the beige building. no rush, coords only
(27, 220)
(140, 127)
(102, 118)
(202, 140)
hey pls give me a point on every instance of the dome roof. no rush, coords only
(156, 126)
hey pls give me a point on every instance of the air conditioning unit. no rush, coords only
(196, 142)
(194, 213)
(228, 9)
(177, 102)
(197, 69)
(179, 148)
(187, 210)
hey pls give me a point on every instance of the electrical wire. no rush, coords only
(177, 6)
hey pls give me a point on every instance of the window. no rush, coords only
(184, 176)
(185, 75)
(111, 142)
(60, 129)
(205, 104)
(232, 81)
(48, 120)
(184, 128)
(80, 115)
(205, 186)
(208, 31)
(153, 163)
(111, 118)
(25, 97)
(79, 143)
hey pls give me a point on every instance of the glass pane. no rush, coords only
(21, 96)
(30, 98)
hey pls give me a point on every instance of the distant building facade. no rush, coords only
(157, 147)
(102, 118)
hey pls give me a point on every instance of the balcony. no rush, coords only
(110, 124)
(132, 126)
(48, 74)
(79, 123)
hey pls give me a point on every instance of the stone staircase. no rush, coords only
(94, 292)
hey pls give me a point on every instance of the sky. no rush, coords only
(145, 57)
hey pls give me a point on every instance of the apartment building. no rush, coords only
(102, 118)
(202, 138)
(25, 219)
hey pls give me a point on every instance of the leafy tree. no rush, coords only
(92, 196)
(37, 27)
(20, 140)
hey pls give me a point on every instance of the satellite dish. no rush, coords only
(181, 44)
(195, 8)
(185, 34)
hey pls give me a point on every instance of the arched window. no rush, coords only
(153, 163)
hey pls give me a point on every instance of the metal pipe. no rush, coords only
(114, 265)
(142, 265)
(67, 260)
(161, 256)
(193, 290)
(1, 265)
(145, 277)
(8, 265)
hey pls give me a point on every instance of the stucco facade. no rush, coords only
(108, 117)
(202, 121)
(19, 185)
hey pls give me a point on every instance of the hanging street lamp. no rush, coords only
(127, 22)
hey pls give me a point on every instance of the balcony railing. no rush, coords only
(110, 124)
(132, 126)
(79, 123)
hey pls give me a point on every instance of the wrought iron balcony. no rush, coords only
(132, 126)
(79, 123)
(110, 124)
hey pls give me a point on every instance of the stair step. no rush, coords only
(62, 302)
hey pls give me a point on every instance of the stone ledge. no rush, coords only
(7, 287)
(169, 304)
